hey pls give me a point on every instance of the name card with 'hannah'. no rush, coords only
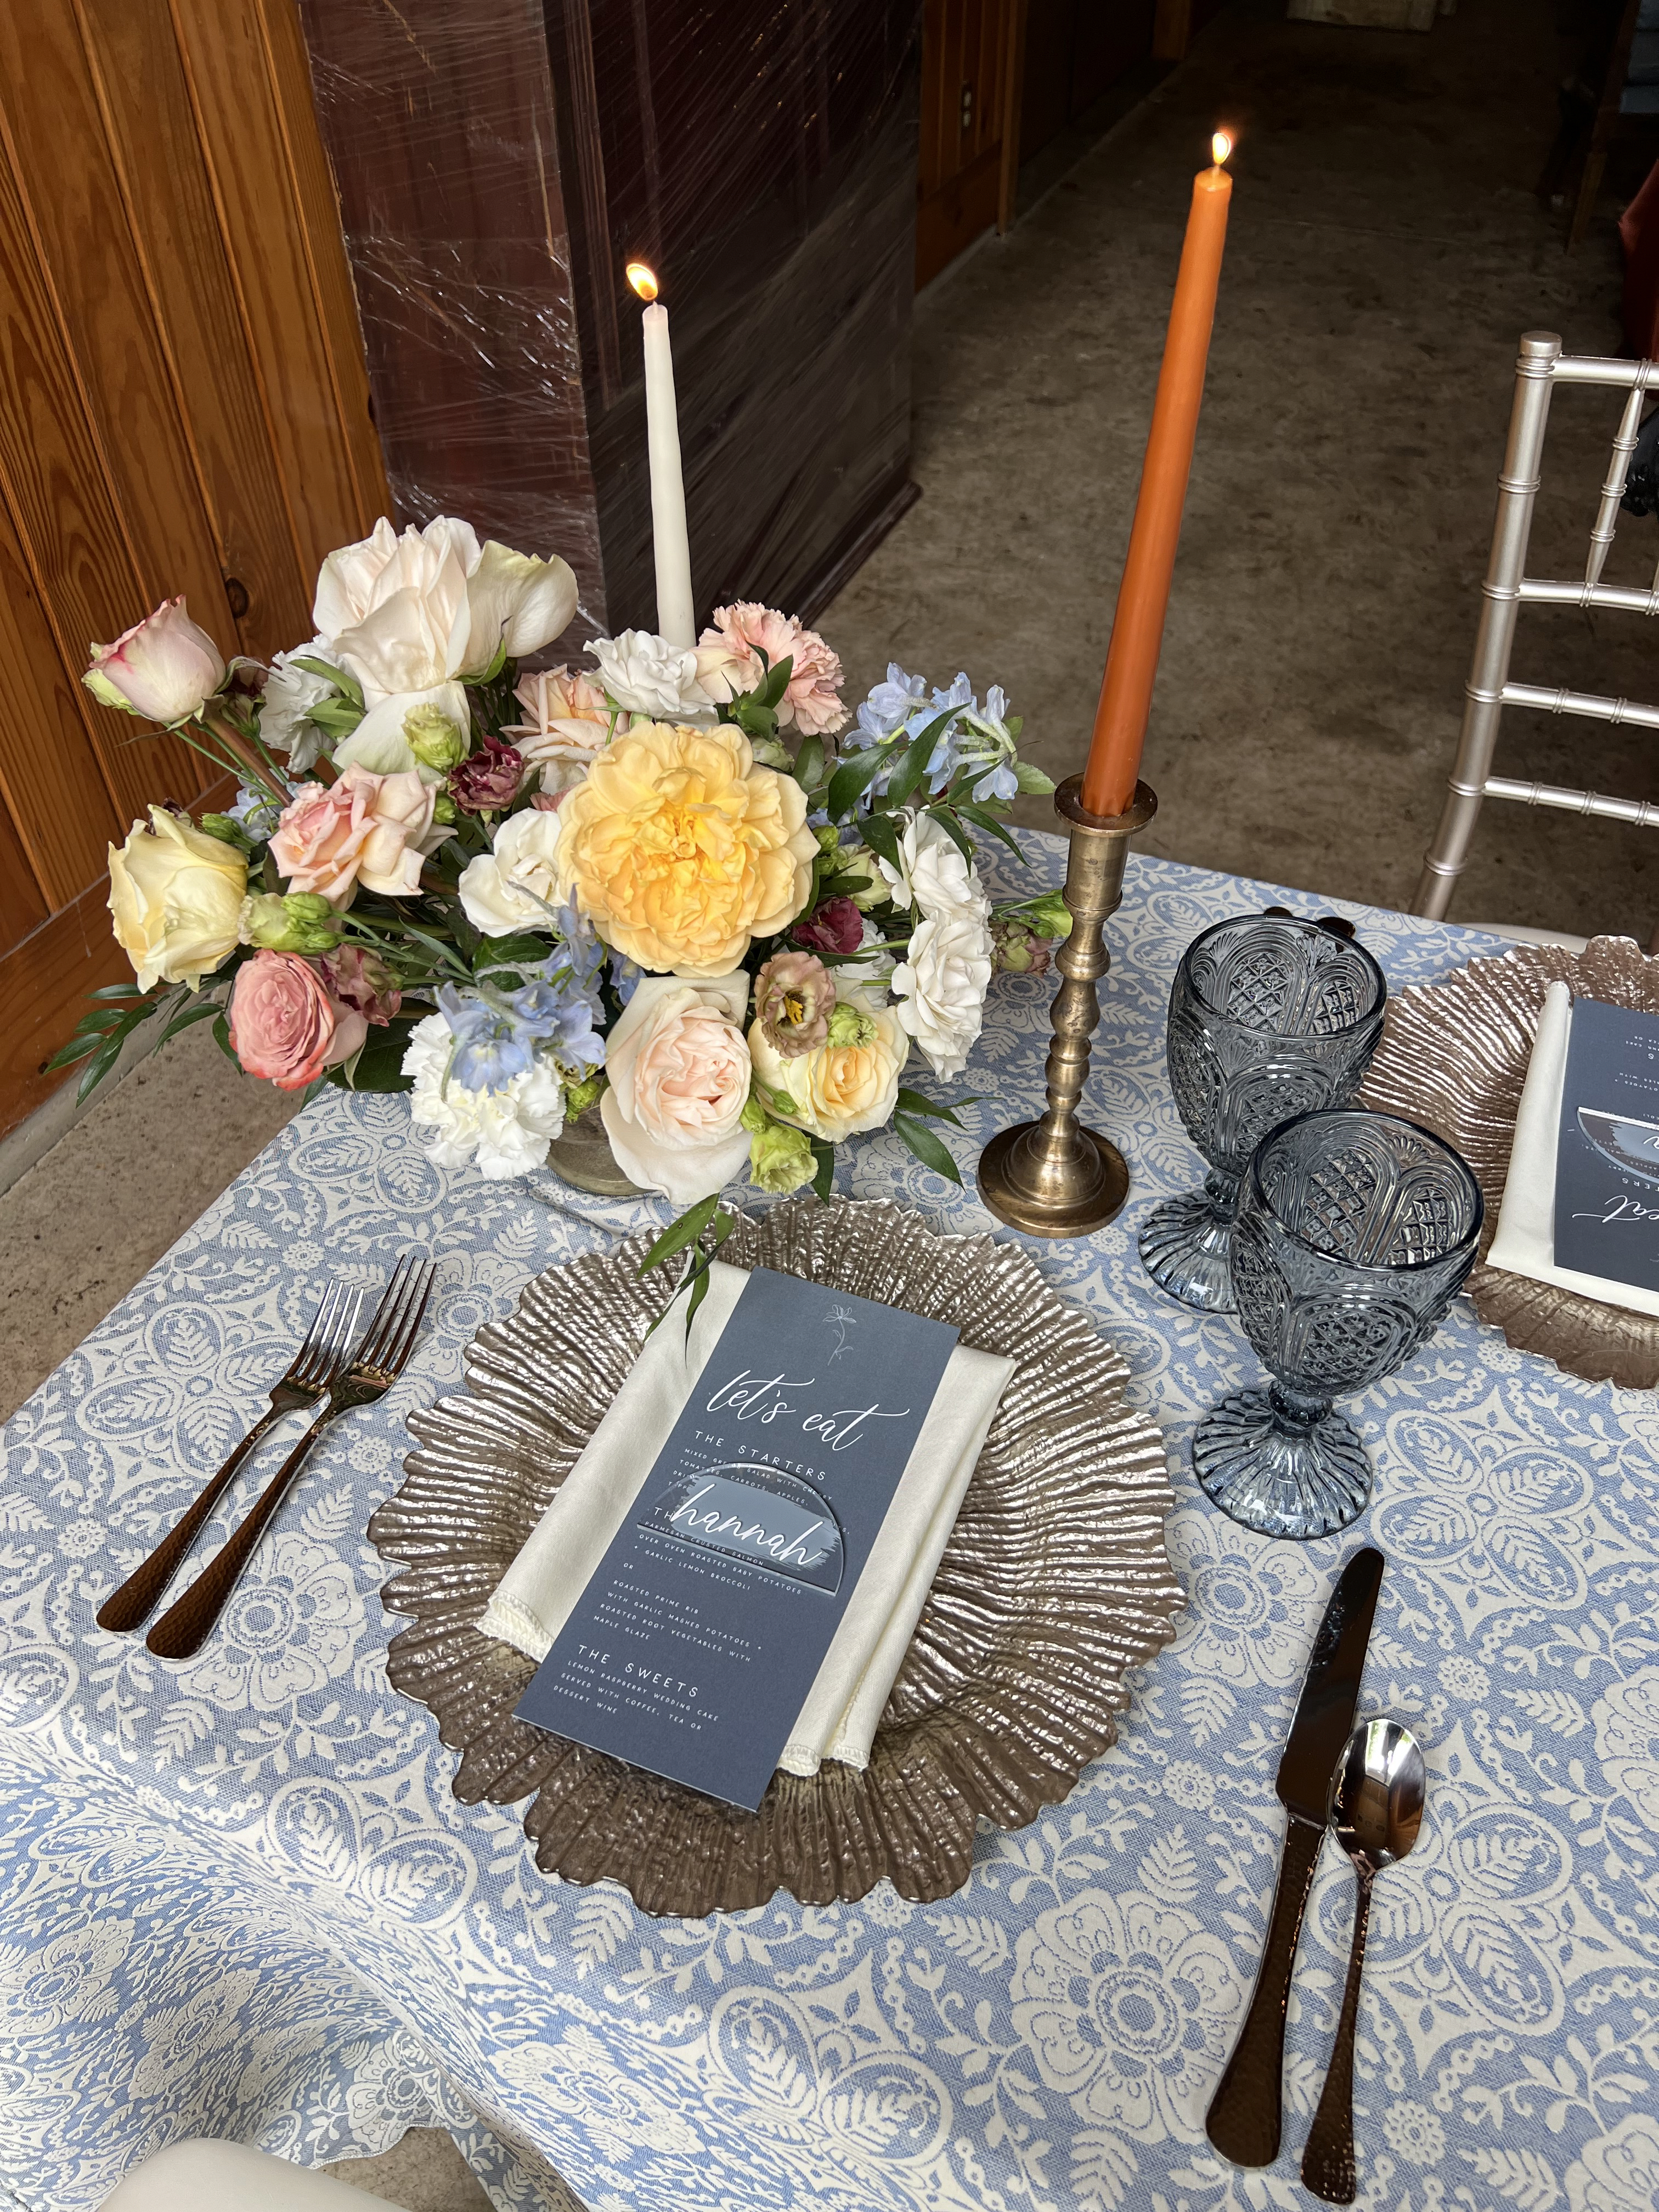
(691, 1651)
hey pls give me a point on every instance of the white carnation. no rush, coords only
(289, 696)
(646, 675)
(935, 876)
(941, 987)
(506, 1132)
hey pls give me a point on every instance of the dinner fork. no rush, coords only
(306, 1383)
(374, 1367)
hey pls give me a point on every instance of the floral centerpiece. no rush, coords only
(684, 886)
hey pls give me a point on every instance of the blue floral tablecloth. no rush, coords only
(237, 1897)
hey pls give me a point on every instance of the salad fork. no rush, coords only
(374, 1367)
(314, 1367)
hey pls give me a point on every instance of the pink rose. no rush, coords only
(362, 981)
(166, 667)
(838, 926)
(812, 701)
(283, 1025)
(368, 829)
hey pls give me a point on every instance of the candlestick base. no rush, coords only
(1054, 1177)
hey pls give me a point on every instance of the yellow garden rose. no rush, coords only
(680, 849)
(840, 1089)
(175, 894)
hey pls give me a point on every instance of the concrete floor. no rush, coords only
(426, 2173)
(1385, 252)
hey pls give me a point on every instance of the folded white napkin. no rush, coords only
(838, 1721)
(1525, 1242)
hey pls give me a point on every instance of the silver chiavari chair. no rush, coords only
(1508, 588)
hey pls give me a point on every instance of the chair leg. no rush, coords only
(1517, 488)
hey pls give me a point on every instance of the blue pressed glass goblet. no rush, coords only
(1269, 1016)
(1354, 1234)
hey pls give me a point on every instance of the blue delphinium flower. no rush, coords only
(490, 1049)
(891, 705)
(626, 977)
(561, 1023)
(258, 812)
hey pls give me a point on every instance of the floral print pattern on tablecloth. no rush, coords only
(237, 1896)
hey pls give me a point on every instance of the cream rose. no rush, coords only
(680, 849)
(839, 1090)
(516, 885)
(175, 896)
(679, 1080)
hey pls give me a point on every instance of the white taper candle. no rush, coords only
(676, 610)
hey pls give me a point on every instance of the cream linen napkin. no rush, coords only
(838, 1721)
(1525, 1242)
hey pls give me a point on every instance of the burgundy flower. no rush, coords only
(362, 981)
(838, 926)
(488, 780)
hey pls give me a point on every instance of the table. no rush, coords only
(237, 1897)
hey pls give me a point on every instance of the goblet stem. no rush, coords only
(1282, 1463)
(1186, 1244)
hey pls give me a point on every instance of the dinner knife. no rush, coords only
(1243, 2118)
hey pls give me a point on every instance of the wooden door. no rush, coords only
(969, 58)
(183, 408)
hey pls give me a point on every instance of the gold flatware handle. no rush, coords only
(188, 1621)
(1245, 2113)
(130, 1606)
(1328, 2165)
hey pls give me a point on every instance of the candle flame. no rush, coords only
(642, 279)
(1220, 146)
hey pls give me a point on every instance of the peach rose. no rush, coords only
(366, 831)
(284, 1026)
(680, 849)
(679, 1081)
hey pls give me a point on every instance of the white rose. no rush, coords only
(647, 676)
(934, 874)
(516, 885)
(839, 1090)
(679, 1075)
(941, 986)
(291, 694)
(506, 1132)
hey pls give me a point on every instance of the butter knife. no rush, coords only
(1243, 2118)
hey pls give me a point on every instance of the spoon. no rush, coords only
(1376, 1808)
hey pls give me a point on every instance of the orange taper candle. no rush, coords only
(1143, 598)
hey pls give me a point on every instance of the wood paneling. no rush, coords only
(183, 408)
(966, 55)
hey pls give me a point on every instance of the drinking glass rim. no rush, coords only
(1378, 1006)
(1368, 1267)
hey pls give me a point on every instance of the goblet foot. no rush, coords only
(1279, 1476)
(1186, 1247)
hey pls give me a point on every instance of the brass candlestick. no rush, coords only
(1054, 1177)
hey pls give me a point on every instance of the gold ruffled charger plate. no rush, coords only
(1055, 1583)
(1454, 1055)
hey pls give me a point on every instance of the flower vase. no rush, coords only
(581, 1154)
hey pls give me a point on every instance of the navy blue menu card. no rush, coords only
(693, 1647)
(1607, 1161)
